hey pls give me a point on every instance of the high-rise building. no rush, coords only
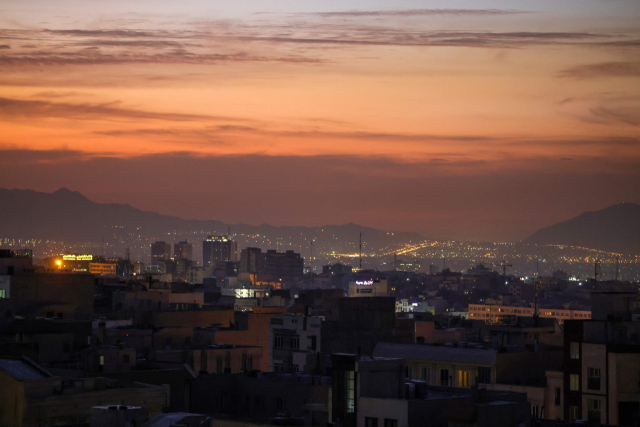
(160, 251)
(218, 248)
(283, 266)
(252, 260)
(183, 250)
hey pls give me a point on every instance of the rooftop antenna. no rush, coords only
(617, 266)
(360, 251)
(102, 246)
(229, 232)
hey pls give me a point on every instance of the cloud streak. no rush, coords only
(417, 12)
(602, 69)
(11, 109)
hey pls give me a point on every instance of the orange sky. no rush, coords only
(402, 96)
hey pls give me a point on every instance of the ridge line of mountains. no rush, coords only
(69, 216)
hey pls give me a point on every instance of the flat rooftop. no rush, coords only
(22, 370)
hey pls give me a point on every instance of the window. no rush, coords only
(425, 374)
(278, 367)
(313, 343)
(574, 413)
(593, 380)
(295, 368)
(125, 358)
(295, 342)
(258, 402)
(535, 410)
(484, 375)
(574, 382)
(574, 350)
(390, 423)
(3, 293)
(350, 385)
(102, 360)
(407, 372)
(593, 410)
(280, 403)
(558, 396)
(464, 378)
(444, 377)
(279, 341)
(370, 422)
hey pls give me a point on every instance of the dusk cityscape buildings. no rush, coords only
(319, 214)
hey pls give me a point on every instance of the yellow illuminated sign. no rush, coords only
(77, 257)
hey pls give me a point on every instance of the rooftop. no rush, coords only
(438, 353)
(22, 369)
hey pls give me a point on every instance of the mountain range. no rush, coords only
(613, 229)
(69, 216)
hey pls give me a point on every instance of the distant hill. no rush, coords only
(614, 229)
(69, 216)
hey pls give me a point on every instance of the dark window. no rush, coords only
(390, 423)
(258, 402)
(313, 344)
(370, 422)
(558, 397)
(280, 404)
(444, 377)
(295, 342)
(484, 375)
(593, 380)
(425, 374)
(279, 341)
(125, 358)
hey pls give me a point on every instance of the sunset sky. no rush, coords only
(481, 120)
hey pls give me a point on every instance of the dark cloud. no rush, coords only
(373, 37)
(177, 56)
(417, 12)
(216, 131)
(5, 46)
(11, 109)
(94, 57)
(107, 33)
(602, 69)
(617, 114)
(135, 43)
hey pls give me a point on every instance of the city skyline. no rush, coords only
(460, 120)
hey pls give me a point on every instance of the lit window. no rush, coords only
(574, 350)
(574, 382)
(464, 378)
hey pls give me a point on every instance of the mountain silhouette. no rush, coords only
(613, 229)
(68, 216)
